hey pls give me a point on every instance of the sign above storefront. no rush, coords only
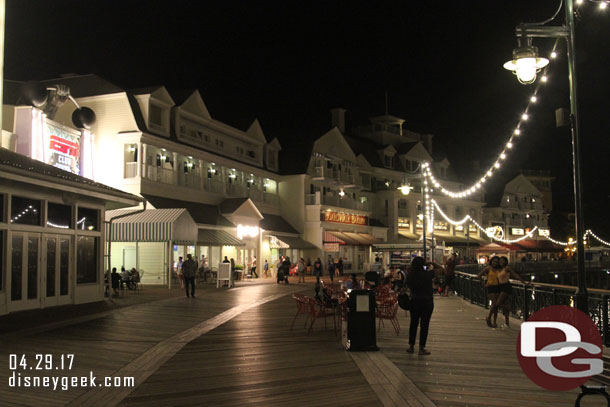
(351, 219)
(544, 232)
(331, 247)
(247, 231)
(404, 223)
(517, 231)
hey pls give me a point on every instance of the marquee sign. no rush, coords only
(348, 218)
(331, 247)
(63, 150)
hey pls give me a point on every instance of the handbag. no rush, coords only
(404, 301)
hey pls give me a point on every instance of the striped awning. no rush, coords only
(294, 242)
(215, 237)
(152, 225)
(351, 238)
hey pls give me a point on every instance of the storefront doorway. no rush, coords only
(40, 270)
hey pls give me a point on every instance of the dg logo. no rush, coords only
(560, 348)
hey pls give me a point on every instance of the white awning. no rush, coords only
(152, 225)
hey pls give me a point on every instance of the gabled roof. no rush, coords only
(240, 207)
(256, 132)
(203, 214)
(191, 101)
(146, 90)
(231, 205)
(275, 143)
(276, 223)
(404, 148)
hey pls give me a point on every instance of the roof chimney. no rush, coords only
(338, 118)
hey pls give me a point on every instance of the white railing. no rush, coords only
(214, 186)
(131, 170)
(236, 190)
(189, 180)
(159, 174)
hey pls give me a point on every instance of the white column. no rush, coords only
(175, 155)
(143, 159)
(202, 174)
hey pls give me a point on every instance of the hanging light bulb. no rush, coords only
(533, 99)
(517, 132)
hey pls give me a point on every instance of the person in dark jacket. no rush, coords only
(189, 270)
(419, 281)
(116, 281)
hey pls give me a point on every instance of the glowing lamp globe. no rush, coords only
(405, 189)
(526, 64)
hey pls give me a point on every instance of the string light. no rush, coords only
(589, 232)
(428, 175)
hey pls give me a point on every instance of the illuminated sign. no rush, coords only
(440, 225)
(348, 218)
(495, 232)
(459, 228)
(404, 223)
(517, 231)
(544, 232)
(63, 149)
(331, 247)
(472, 228)
(246, 231)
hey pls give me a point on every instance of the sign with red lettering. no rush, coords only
(348, 218)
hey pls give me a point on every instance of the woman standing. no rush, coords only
(301, 270)
(493, 289)
(505, 288)
(419, 281)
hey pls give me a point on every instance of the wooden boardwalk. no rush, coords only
(229, 348)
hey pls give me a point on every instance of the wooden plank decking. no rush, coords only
(235, 348)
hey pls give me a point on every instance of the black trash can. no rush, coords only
(360, 334)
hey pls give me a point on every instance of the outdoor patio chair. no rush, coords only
(302, 304)
(387, 309)
(317, 310)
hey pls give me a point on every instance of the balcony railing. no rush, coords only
(214, 186)
(131, 170)
(189, 180)
(236, 190)
(159, 174)
(339, 202)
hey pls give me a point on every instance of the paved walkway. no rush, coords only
(234, 347)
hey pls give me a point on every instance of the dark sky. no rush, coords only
(288, 63)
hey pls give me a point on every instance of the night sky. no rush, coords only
(287, 64)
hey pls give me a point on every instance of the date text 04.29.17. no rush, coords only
(41, 361)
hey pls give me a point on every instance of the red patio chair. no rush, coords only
(387, 308)
(302, 308)
(318, 310)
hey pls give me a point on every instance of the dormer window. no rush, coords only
(387, 161)
(155, 115)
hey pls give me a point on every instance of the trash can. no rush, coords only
(358, 329)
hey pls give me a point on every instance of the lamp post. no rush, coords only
(526, 64)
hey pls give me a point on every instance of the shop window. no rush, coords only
(88, 219)
(59, 216)
(86, 259)
(25, 211)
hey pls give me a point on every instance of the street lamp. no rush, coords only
(526, 64)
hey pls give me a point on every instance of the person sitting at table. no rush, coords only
(124, 277)
(115, 280)
(134, 278)
(352, 283)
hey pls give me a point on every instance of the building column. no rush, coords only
(202, 174)
(175, 156)
(143, 158)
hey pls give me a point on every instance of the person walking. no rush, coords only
(286, 268)
(449, 274)
(317, 268)
(266, 269)
(232, 262)
(253, 268)
(340, 266)
(189, 270)
(493, 289)
(331, 269)
(301, 270)
(505, 288)
(419, 281)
